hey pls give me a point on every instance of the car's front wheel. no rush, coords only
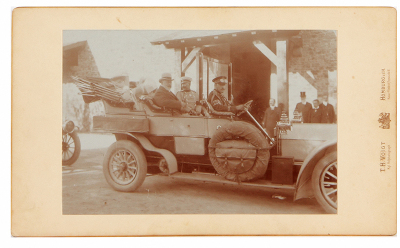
(324, 182)
(125, 166)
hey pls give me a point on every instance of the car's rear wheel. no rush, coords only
(324, 182)
(125, 166)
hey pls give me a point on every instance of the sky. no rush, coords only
(122, 52)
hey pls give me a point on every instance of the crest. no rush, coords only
(384, 119)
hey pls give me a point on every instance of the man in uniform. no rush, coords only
(328, 113)
(271, 116)
(165, 98)
(188, 96)
(304, 107)
(218, 100)
(315, 114)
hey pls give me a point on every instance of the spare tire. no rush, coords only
(239, 152)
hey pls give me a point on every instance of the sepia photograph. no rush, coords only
(199, 122)
(204, 121)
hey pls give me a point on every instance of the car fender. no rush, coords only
(303, 183)
(147, 145)
(76, 127)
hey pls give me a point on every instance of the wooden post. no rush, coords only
(279, 88)
(200, 76)
(281, 74)
(230, 81)
(208, 77)
(177, 74)
(190, 58)
(197, 80)
(182, 50)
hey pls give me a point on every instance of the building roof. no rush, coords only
(195, 38)
(185, 34)
(79, 44)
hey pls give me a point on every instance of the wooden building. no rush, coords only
(259, 64)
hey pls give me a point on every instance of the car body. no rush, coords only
(181, 145)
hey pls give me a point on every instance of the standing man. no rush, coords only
(328, 113)
(315, 113)
(186, 95)
(165, 98)
(271, 116)
(304, 107)
(218, 100)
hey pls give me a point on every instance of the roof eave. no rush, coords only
(226, 38)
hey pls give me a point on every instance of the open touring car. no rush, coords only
(219, 147)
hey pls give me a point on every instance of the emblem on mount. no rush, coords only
(384, 119)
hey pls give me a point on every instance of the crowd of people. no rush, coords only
(317, 112)
(187, 101)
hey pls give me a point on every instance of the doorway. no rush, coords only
(251, 77)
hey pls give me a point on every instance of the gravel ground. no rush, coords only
(85, 191)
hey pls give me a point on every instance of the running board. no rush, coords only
(207, 177)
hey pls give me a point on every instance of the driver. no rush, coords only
(218, 100)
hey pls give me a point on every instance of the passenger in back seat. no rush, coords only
(190, 97)
(165, 98)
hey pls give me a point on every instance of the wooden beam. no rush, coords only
(190, 58)
(177, 74)
(279, 87)
(182, 58)
(200, 58)
(281, 74)
(188, 50)
(208, 77)
(266, 51)
(230, 81)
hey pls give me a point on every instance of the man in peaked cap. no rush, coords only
(165, 98)
(186, 95)
(304, 108)
(218, 100)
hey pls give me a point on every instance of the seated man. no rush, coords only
(218, 100)
(188, 96)
(165, 98)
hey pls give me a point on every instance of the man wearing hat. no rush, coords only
(186, 95)
(218, 100)
(304, 108)
(165, 98)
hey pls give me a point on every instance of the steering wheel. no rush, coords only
(247, 107)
